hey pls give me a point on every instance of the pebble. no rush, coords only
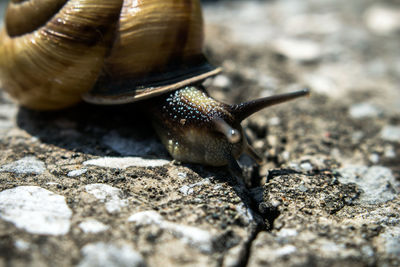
(92, 226)
(36, 210)
(306, 166)
(188, 189)
(391, 133)
(274, 121)
(193, 236)
(391, 240)
(377, 182)
(102, 254)
(22, 245)
(283, 251)
(382, 20)
(287, 232)
(111, 196)
(7, 114)
(221, 81)
(26, 165)
(364, 110)
(125, 162)
(182, 175)
(389, 152)
(374, 158)
(244, 212)
(300, 50)
(76, 173)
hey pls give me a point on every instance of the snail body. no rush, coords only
(116, 52)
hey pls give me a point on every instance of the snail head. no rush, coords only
(196, 128)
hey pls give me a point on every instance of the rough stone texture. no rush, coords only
(326, 195)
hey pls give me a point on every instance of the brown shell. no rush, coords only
(109, 51)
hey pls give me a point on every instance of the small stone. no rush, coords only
(76, 173)
(285, 250)
(389, 152)
(221, 81)
(193, 236)
(102, 254)
(182, 175)
(36, 210)
(22, 245)
(364, 110)
(287, 232)
(91, 226)
(391, 240)
(300, 50)
(383, 20)
(391, 133)
(302, 188)
(111, 196)
(374, 158)
(26, 165)
(245, 213)
(188, 189)
(126, 162)
(377, 182)
(274, 121)
(306, 166)
(146, 218)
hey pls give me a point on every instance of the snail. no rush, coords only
(55, 53)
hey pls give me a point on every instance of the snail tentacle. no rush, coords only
(244, 110)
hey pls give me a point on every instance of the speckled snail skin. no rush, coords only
(54, 53)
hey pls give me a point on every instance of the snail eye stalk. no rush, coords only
(230, 133)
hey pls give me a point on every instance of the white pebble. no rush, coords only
(377, 182)
(287, 232)
(306, 166)
(125, 162)
(374, 158)
(383, 20)
(364, 110)
(22, 245)
(92, 226)
(26, 165)
(76, 173)
(244, 212)
(391, 133)
(391, 240)
(301, 50)
(285, 250)
(274, 121)
(102, 254)
(188, 189)
(182, 175)
(111, 196)
(389, 152)
(221, 81)
(36, 210)
(193, 236)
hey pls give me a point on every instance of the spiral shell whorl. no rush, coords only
(25, 16)
(51, 67)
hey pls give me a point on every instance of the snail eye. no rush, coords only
(233, 136)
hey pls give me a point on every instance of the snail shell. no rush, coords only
(53, 52)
